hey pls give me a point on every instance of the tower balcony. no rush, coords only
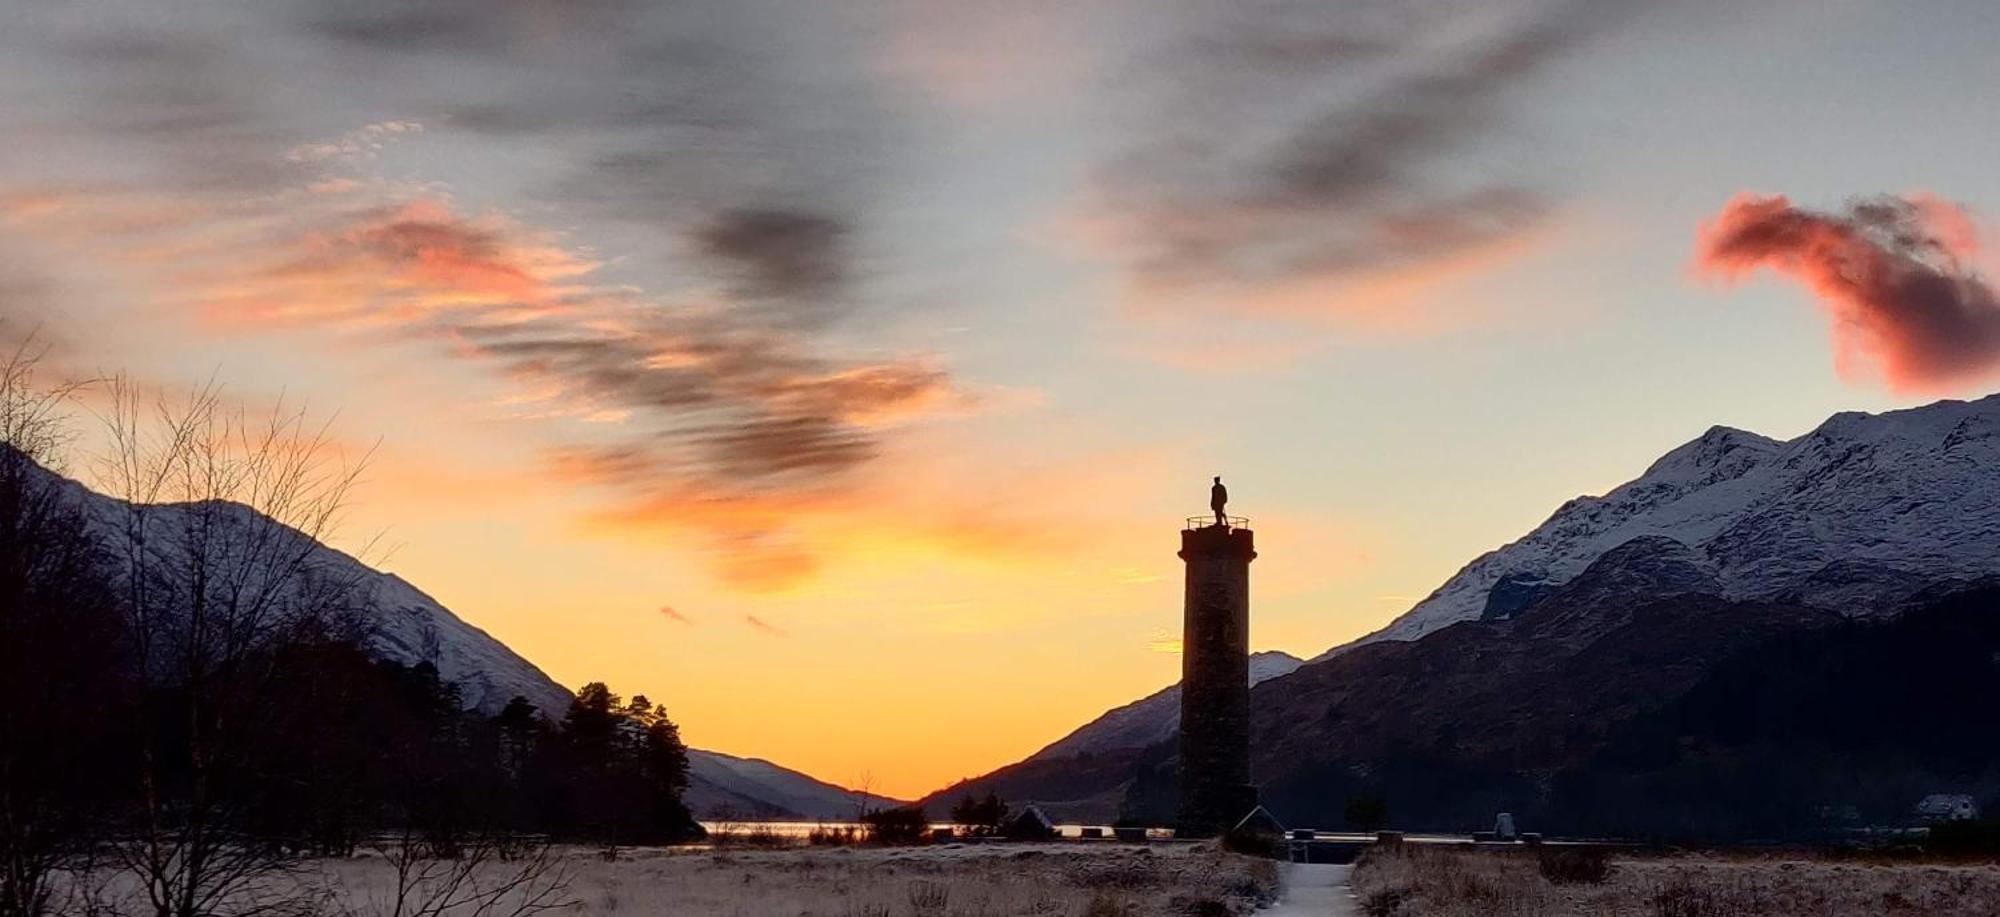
(1197, 523)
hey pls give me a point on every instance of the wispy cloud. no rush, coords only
(705, 346)
(1895, 276)
(1291, 149)
(674, 615)
(764, 627)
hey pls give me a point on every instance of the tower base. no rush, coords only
(1216, 812)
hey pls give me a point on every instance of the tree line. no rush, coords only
(186, 702)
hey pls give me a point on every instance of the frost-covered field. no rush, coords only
(1439, 882)
(971, 880)
(1098, 880)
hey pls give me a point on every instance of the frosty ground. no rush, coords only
(1415, 881)
(949, 880)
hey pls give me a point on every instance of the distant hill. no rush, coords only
(1561, 676)
(406, 626)
(728, 787)
(1082, 775)
(1154, 718)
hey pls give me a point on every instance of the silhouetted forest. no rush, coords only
(185, 700)
(1814, 732)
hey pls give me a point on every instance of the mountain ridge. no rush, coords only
(1153, 718)
(1538, 653)
(1772, 515)
(407, 626)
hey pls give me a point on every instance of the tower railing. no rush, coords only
(1196, 523)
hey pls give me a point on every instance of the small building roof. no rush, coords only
(1031, 818)
(1259, 821)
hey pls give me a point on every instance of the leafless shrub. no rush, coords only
(928, 897)
(833, 836)
(1689, 894)
(751, 835)
(476, 879)
(219, 539)
(1574, 865)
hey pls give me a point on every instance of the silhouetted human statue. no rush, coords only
(1218, 497)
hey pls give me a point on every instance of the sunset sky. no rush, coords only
(838, 374)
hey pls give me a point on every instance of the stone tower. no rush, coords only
(1215, 788)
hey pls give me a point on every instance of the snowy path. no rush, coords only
(1312, 890)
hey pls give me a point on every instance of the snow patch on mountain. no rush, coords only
(401, 623)
(1854, 516)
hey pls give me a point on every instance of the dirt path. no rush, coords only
(1315, 890)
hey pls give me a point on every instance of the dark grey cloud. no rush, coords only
(176, 98)
(717, 165)
(688, 115)
(1317, 140)
(741, 412)
(789, 257)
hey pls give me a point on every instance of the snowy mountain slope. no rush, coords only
(728, 787)
(406, 626)
(1152, 719)
(402, 624)
(1854, 516)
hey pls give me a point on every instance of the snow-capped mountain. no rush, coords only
(400, 623)
(1855, 517)
(406, 626)
(1154, 718)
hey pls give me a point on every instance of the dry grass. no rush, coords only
(980, 880)
(1419, 881)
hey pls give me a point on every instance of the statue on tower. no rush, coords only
(1218, 497)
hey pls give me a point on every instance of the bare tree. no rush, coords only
(219, 548)
(485, 877)
(862, 793)
(59, 661)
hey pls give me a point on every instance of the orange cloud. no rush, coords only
(655, 405)
(1891, 273)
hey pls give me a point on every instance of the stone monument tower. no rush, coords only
(1215, 788)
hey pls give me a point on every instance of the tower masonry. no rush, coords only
(1215, 789)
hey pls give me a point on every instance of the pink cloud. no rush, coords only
(1891, 273)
